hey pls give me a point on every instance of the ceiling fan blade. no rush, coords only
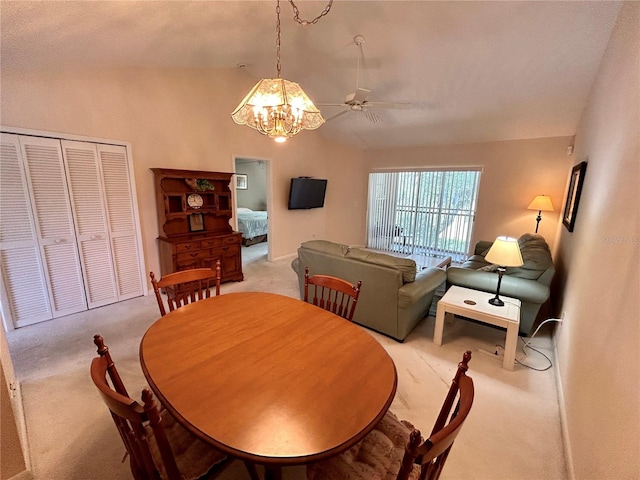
(395, 106)
(336, 115)
(330, 105)
(372, 116)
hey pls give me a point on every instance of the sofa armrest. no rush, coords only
(524, 289)
(295, 264)
(425, 283)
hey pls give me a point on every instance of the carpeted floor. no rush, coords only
(513, 431)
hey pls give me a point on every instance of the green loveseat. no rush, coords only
(393, 298)
(529, 283)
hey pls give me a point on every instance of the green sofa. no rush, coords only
(529, 283)
(393, 298)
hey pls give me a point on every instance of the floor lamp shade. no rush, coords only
(505, 252)
(542, 203)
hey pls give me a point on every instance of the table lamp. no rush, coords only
(542, 203)
(505, 252)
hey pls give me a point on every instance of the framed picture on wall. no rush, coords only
(241, 181)
(573, 195)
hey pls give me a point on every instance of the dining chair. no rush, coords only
(396, 449)
(157, 445)
(185, 286)
(332, 293)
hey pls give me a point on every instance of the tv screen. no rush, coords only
(306, 193)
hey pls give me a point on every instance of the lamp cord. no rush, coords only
(528, 345)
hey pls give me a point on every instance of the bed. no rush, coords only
(253, 225)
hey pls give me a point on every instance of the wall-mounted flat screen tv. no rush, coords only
(307, 193)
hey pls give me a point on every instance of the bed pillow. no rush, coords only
(243, 210)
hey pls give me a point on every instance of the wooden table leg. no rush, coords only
(510, 346)
(272, 472)
(437, 331)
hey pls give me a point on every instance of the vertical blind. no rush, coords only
(426, 212)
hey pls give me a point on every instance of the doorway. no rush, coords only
(252, 209)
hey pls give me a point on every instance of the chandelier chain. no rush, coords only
(278, 37)
(297, 18)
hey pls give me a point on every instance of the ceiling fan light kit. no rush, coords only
(277, 107)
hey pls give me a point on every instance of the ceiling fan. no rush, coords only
(356, 101)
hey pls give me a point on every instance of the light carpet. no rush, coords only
(513, 431)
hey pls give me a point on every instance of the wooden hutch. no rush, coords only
(194, 209)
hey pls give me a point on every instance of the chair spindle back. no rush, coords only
(333, 294)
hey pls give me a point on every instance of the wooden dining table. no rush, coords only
(267, 378)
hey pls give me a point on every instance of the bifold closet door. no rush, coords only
(119, 201)
(102, 203)
(68, 231)
(92, 233)
(45, 173)
(25, 294)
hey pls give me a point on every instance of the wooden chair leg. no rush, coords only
(251, 468)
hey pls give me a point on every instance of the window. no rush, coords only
(427, 212)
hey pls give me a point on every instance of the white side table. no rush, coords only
(475, 305)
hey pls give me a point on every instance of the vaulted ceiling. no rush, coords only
(472, 71)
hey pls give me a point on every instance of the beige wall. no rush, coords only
(181, 119)
(599, 339)
(513, 173)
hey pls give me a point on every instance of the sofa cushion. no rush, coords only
(535, 255)
(405, 265)
(326, 246)
(475, 262)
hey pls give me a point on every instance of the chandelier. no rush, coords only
(277, 107)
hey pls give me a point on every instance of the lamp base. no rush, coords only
(495, 301)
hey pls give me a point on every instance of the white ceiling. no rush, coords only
(473, 71)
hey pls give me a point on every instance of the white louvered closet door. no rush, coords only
(45, 174)
(25, 298)
(121, 220)
(87, 203)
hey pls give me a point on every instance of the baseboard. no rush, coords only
(571, 474)
(26, 475)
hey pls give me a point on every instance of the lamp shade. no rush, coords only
(278, 108)
(542, 203)
(505, 252)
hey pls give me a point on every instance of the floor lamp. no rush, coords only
(542, 203)
(505, 252)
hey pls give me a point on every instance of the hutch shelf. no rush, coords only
(194, 209)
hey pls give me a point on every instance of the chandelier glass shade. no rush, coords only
(278, 108)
